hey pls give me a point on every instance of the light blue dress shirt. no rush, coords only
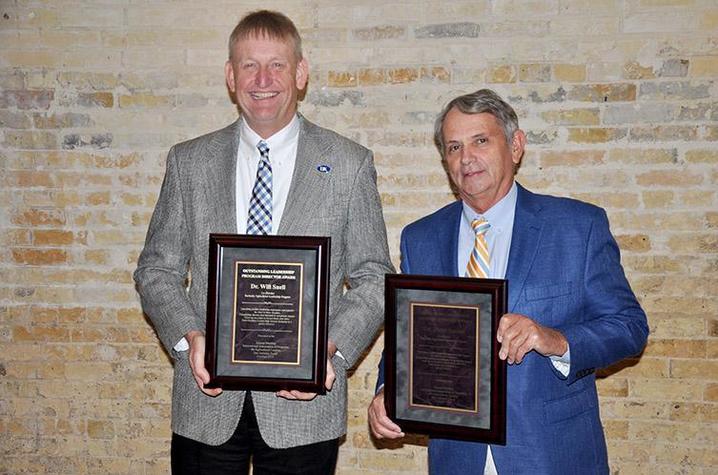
(498, 237)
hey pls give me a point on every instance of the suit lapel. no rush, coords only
(221, 179)
(448, 255)
(309, 187)
(524, 243)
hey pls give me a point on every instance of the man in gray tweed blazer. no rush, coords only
(323, 185)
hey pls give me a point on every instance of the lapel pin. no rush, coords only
(324, 168)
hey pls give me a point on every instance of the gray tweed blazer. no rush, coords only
(198, 198)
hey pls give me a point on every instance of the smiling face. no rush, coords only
(265, 77)
(479, 161)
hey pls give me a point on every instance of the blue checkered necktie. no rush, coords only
(259, 219)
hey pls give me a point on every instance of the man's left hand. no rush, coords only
(328, 382)
(518, 334)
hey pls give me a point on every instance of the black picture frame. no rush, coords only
(267, 308)
(443, 374)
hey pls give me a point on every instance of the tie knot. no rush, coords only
(263, 149)
(480, 226)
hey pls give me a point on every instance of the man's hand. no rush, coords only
(381, 426)
(518, 335)
(196, 362)
(328, 381)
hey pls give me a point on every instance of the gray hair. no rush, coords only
(481, 101)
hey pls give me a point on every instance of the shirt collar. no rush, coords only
(500, 215)
(277, 141)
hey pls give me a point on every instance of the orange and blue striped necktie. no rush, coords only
(479, 261)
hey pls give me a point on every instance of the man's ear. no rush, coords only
(229, 75)
(518, 145)
(302, 75)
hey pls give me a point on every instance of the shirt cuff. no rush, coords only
(181, 345)
(562, 363)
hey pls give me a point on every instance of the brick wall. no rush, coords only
(618, 97)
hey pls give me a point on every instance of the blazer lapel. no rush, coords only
(309, 187)
(220, 171)
(448, 255)
(524, 243)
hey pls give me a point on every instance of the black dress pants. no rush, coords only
(246, 446)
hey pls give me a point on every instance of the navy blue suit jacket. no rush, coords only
(564, 272)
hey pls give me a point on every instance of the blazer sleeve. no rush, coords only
(359, 313)
(614, 325)
(162, 268)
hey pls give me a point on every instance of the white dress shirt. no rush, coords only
(282, 156)
(498, 238)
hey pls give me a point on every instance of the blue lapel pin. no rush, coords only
(324, 168)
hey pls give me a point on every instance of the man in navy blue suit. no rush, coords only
(571, 309)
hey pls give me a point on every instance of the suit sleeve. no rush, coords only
(360, 311)
(613, 326)
(162, 268)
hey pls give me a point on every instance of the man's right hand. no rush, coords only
(196, 362)
(381, 426)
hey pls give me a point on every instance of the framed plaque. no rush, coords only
(267, 305)
(443, 375)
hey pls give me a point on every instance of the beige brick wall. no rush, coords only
(618, 97)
